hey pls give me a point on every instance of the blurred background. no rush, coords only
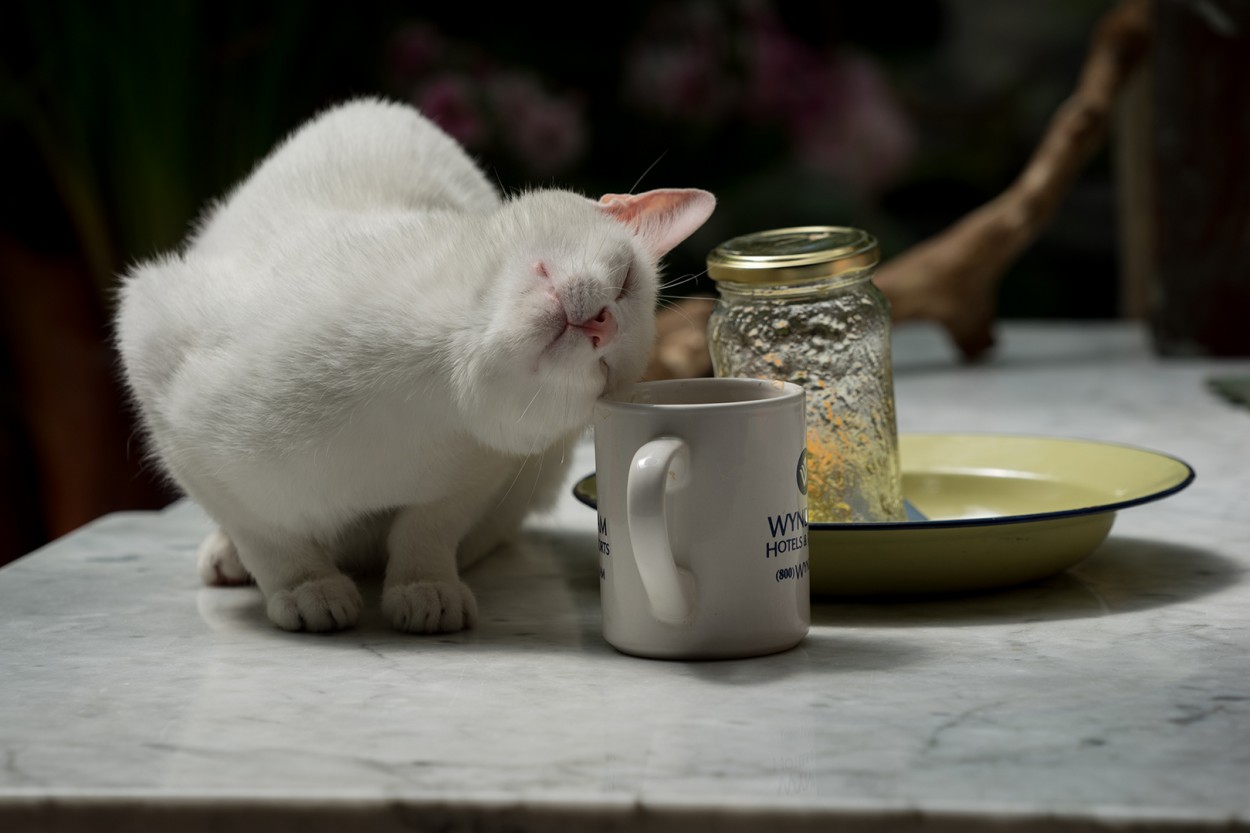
(119, 121)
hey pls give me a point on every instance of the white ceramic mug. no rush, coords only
(702, 496)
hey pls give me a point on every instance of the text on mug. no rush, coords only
(792, 525)
(796, 571)
(605, 544)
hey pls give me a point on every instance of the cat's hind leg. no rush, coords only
(423, 592)
(321, 603)
(303, 588)
(218, 561)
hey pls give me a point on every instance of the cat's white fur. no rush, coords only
(365, 356)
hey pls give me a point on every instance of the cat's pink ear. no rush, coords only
(661, 218)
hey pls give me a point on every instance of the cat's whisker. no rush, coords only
(634, 187)
(529, 501)
(532, 399)
(542, 383)
(603, 241)
(671, 300)
(694, 276)
(669, 305)
(524, 462)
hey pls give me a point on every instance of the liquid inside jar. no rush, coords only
(836, 345)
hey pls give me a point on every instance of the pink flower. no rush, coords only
(679, 67)
(784, 74)
(414, 50)
(837, 109)
(855, 129)
(448, 100)
(545, 132)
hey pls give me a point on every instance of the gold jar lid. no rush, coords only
(793, 255)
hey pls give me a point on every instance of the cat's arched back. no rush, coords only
(363, 156)
(365, 357)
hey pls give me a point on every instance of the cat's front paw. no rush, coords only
(328, 603)
(218, 561)
(430, 606)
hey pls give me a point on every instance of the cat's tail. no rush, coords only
(166, 307)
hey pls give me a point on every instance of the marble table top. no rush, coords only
(1113, 696)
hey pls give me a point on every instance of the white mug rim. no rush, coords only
(786, 393)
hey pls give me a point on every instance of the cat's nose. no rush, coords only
(601, 329)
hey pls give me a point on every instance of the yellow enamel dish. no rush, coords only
(1000, 510)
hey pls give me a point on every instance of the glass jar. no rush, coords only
(799, 304)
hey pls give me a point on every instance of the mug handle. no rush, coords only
(659, 465)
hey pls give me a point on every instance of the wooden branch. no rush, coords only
(681, 341)
(952, 277)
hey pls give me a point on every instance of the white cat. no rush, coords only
(363, 356)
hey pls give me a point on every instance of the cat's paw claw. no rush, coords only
(329, 603)
(218, 562)
(430, 606)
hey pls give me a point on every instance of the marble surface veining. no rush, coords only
(1117, 693)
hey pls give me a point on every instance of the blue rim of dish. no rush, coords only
(996, 520)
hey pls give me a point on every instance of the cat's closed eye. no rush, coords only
(627, 278)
